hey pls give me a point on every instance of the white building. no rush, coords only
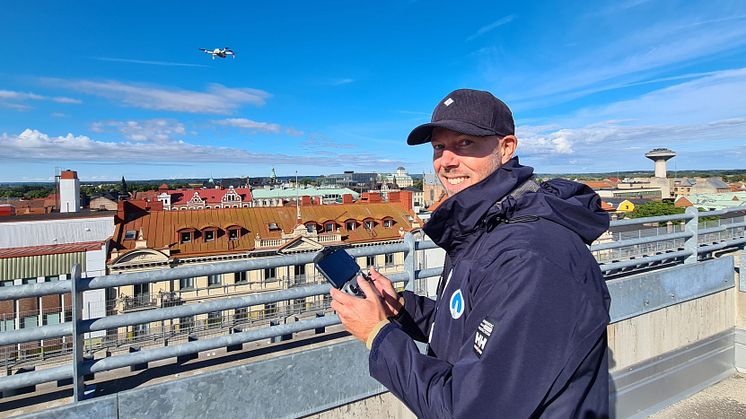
(69, 191)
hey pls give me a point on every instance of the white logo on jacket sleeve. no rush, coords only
(483, 333)
(457, 304)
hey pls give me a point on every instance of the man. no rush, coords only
(519, 325)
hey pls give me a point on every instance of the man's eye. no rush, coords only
(464, 143)
(437, 146)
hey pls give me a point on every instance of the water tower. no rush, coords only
(660, 156)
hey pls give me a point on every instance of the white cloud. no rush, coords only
(34, 146)
(492, 26)
(10, 99)
(293, 132)
(217, 99)
(248, 124)
(150, 131)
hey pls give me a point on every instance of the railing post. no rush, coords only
(78, 341)
(410, 262)
(692, 243)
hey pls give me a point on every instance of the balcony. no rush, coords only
(676, 328)
(138, 302)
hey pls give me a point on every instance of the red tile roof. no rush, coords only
(160, 228)
(54, 249)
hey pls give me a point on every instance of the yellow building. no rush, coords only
(150, 240)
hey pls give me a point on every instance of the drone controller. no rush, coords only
(341, 270)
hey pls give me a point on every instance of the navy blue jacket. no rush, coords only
(519, 329)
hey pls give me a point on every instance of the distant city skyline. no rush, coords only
(112, 90)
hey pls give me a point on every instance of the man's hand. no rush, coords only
(359, 315)
(392, 302)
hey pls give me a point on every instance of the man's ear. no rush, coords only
(507, 147)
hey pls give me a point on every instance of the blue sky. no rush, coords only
(120, 89)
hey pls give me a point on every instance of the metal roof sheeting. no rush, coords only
(42, 265)
(55, 232)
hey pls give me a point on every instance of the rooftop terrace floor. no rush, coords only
(726, 399)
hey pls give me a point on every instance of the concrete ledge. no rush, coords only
(740, 348)
(652, 385)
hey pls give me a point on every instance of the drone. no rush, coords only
(218, 52)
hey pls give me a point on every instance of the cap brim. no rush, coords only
(423, 133)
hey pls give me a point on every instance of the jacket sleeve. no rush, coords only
(540, 318)
(416, 317)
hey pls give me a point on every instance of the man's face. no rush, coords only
(462, 160)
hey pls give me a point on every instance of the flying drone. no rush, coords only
(218, 52)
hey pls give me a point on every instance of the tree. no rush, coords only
(656, 208)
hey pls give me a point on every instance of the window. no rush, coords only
(270, 273)
(370, 261)
(140, 329)
(186, 236)
(51, 278)
(329, 227)
(350, 225)
(214, 280)
(6, 325)
(186, 283)
(214, 318)
(369, 224)
(310, 227)
(29, 321)
(389, 259)
(233, 234)
(299, 305)
(388, 223)
(241, 313)
(209, 235)
(240, 277)
(25, 281)
(130, 235)
(299, 270)
(273, 226)
(51, 318)
(186, 323)
(270, 310)
(6, 283)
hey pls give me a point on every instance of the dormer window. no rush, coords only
(273, 226)
(329, 227)
(388, 223)
(130, 235)
(234, 233)
(209, 235)
(369, 224)
(186, 237)
(311, 227)
(350, 225)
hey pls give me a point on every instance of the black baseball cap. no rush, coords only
(471, 112)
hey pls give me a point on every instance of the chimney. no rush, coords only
(374, 197)
(347, 198)
(120, 212)
(406, 199)
(69, 191)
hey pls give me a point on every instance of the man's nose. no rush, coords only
(449, 159)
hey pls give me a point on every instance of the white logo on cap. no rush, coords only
(448, 101)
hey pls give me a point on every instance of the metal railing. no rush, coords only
(686, 248)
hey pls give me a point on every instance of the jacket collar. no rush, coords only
(460, 215)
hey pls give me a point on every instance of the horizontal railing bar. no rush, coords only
(643, 260)
(724, 211)
(646, 220)
(11, 337)
(35, 377)
(720, 228)
(425, 245)
(214, 268)
(186, 310)
(723, 245)
(643, 240)
(120, 361)
(35, 290)
(428, 273)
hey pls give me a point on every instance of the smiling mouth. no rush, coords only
(456, 180)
